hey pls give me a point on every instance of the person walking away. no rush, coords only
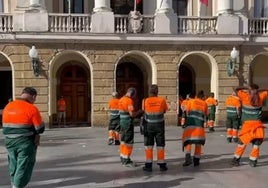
(127, 113)
(233, 114)
(22, 125)
(212, 103)
(114, 122)
(154, 109)
(252, 130)
(61, 106)
(183, 109)
(194, 131)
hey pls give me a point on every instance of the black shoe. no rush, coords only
(252, 163)
(188, 160)
(235, 161)
(163, 167)
(229, 139)
(235, 140)
(196, 161)
(147, 167)
(211, 129)
(110, 141)
(116, 142)
(129, 163)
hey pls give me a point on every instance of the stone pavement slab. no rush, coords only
(81, 158)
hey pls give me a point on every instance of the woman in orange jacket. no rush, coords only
(252, 130)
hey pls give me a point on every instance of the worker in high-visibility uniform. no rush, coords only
(22, 125)
(183, 109)
(154, 108)
(114, 121)
(212, 104)
(194, 131)
(61, 107)
(127, 113)
(252, 130)
(233, 111)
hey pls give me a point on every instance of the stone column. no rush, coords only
(102, 6)
(228, 23)
(225, 6)
(34, 18)
(102, 19)
(166, 21)
(164, 6)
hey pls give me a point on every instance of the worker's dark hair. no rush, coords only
(254, 86)
(154, 90)
(132, 91)
(29, 90)
(200, 94)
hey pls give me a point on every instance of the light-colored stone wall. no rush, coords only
(103, 59)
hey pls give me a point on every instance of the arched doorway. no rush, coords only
(6, 93)
(186, 80)
(73, 85)
(130, 75)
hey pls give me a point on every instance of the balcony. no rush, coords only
(81, 23)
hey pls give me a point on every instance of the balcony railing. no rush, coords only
(258, 26)
(122, 24)
(6, 24)
(197, 25)
(69, 23)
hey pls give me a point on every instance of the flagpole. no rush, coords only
(135, 5)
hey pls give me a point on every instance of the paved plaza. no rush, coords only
(81, 158)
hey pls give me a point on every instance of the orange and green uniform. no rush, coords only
(61, 107)
(194, 132)
(154, 109)
(114, 122)
(252, 130)
(127, 128)
(233, 106)
(211, 103)
(21, 123)
(183, 109)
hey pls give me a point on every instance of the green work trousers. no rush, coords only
(21, 159)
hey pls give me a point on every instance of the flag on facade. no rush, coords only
(205, 2)
(138, 1)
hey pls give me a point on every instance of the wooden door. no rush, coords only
(129, 75)
(75, 91)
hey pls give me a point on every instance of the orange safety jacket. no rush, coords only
(21, 118)
(61, 105)
(125, 106)
(212, 103)
(154, 108)
(233, 105)
(114, 108)
(252, 127)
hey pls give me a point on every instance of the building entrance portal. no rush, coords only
(73, 86)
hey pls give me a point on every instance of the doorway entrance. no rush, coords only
(74, 88)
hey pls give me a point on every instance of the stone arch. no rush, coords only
(55, 64)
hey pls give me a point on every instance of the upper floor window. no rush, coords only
(125, 6)
(73, 6)
(180, 7)
(260, 8)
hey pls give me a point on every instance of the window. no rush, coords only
(180, 7)
(125, 6)
(261, 8)
(75, 6)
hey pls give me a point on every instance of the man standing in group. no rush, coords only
(22, 125)
(154, 108)
(194, 131)
(61, 106)
(233, 111)
(127, 113)
(114, 122)
(252, 130)
(212, 103)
